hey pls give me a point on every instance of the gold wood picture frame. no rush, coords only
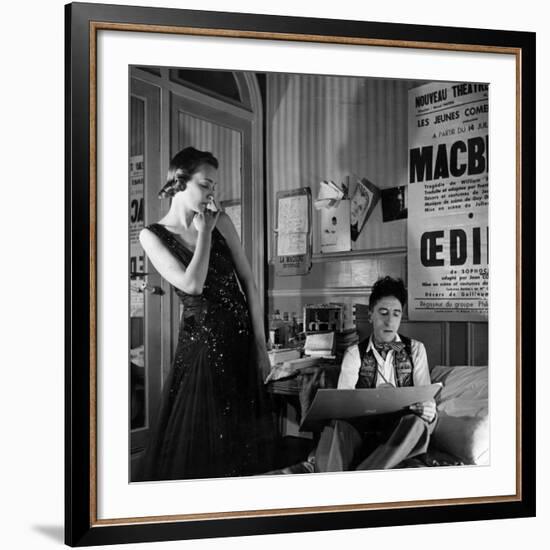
(92, 32)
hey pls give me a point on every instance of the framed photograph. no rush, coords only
(170, 431)
(394, 203)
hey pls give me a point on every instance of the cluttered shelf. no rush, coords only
(308, 352)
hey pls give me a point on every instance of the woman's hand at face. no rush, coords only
(205, 221)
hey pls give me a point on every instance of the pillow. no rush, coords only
(466, 437)
(463, 424)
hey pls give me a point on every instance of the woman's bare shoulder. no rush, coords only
(148, 239)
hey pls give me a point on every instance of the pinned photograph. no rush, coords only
(363, 201)
(394, 203)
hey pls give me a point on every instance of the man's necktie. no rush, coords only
(384, 347)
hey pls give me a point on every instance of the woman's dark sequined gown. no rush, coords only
(214, 419)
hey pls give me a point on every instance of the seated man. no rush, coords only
(384, 358)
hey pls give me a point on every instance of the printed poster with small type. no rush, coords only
(293, 248)
(137, 256)
(448, 201)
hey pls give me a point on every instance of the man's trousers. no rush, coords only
(372, 443)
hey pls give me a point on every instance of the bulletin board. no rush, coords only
(293, 237)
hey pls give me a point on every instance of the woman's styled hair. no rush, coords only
(388, 287)
(182, 167)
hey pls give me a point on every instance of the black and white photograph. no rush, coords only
(394, 203)
(261, 235)
(272, 334)
(280, 311)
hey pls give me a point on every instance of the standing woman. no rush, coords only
(214, 420)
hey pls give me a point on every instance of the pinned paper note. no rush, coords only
(292, 229)
(292, 226)
(335, 228)
(329, 195)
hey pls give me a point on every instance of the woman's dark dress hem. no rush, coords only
(214, 419)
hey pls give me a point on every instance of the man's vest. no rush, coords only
(402, 363)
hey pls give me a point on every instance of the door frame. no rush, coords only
(248, 118)
(150, 94)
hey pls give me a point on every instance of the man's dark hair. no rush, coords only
(387, 286)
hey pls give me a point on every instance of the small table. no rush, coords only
(298, 391)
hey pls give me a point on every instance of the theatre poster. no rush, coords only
(448, 194)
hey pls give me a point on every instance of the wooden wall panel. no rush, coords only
(480, 343)
(458, 350)
(432, 335)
